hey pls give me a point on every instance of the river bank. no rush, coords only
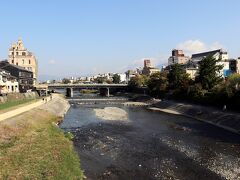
(33, 147)
(15, 100)
(227, 120)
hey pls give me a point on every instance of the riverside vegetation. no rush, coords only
(208, 88)
(16, 100)
(33, 147)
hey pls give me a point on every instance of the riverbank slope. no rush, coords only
(227, 120)
(33, 147)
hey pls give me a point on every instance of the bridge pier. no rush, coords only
(69, 92)
(108, 93)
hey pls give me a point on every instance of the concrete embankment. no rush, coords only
(57, 106)
(227, 120)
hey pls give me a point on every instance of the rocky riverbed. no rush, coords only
(111, 113)
(151, 145)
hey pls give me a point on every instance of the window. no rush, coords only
(17, 53)
(12, 53)
(24, 53)
(17, 64)
(12, 61)
(29, 61)
(23, 61)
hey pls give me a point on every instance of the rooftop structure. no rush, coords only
(178, 57)
(218, 54)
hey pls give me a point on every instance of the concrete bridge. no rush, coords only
(69, 87)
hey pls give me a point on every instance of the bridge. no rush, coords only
(69, 87)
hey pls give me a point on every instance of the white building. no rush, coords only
(217, 54)
(123, 78)
(8, 83)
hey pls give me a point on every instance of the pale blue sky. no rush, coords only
(78, 37)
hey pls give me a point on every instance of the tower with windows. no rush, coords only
(20, 56)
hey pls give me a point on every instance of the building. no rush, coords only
(20, 56)
(8, 83)
(123, 78)
(178, 57)
(217, 54)
(130, 74)
(148, 69)
(234, 65)
(225, 72)
(24, 76)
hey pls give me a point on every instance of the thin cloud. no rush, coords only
(192, 46)
(197, 46)
(52, 61)
(156, 61)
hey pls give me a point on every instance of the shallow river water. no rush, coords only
(151, 145)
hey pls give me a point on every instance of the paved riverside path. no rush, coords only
(20, 110)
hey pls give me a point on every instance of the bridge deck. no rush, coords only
(84, 85)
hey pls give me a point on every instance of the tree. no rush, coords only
(233, 83)
(138, 81)
(209, 72)
(178, 78)
(158, 84)
(66, 81)
(100, 80)
(116, 79)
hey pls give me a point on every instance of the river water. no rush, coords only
(150, 145)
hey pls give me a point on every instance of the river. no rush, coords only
(150, 145)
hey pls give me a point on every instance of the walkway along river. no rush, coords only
(150, 145)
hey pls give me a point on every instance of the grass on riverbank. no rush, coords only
(11, 104)
(33, 147)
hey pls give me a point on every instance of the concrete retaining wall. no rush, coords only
(18, 96)
(227, 120)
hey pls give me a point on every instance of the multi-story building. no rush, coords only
(178, 57)
(217, 54)
(24, 76)
(8, 83)
(148, 69)
(20, 56)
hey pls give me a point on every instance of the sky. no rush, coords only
(84, 37)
